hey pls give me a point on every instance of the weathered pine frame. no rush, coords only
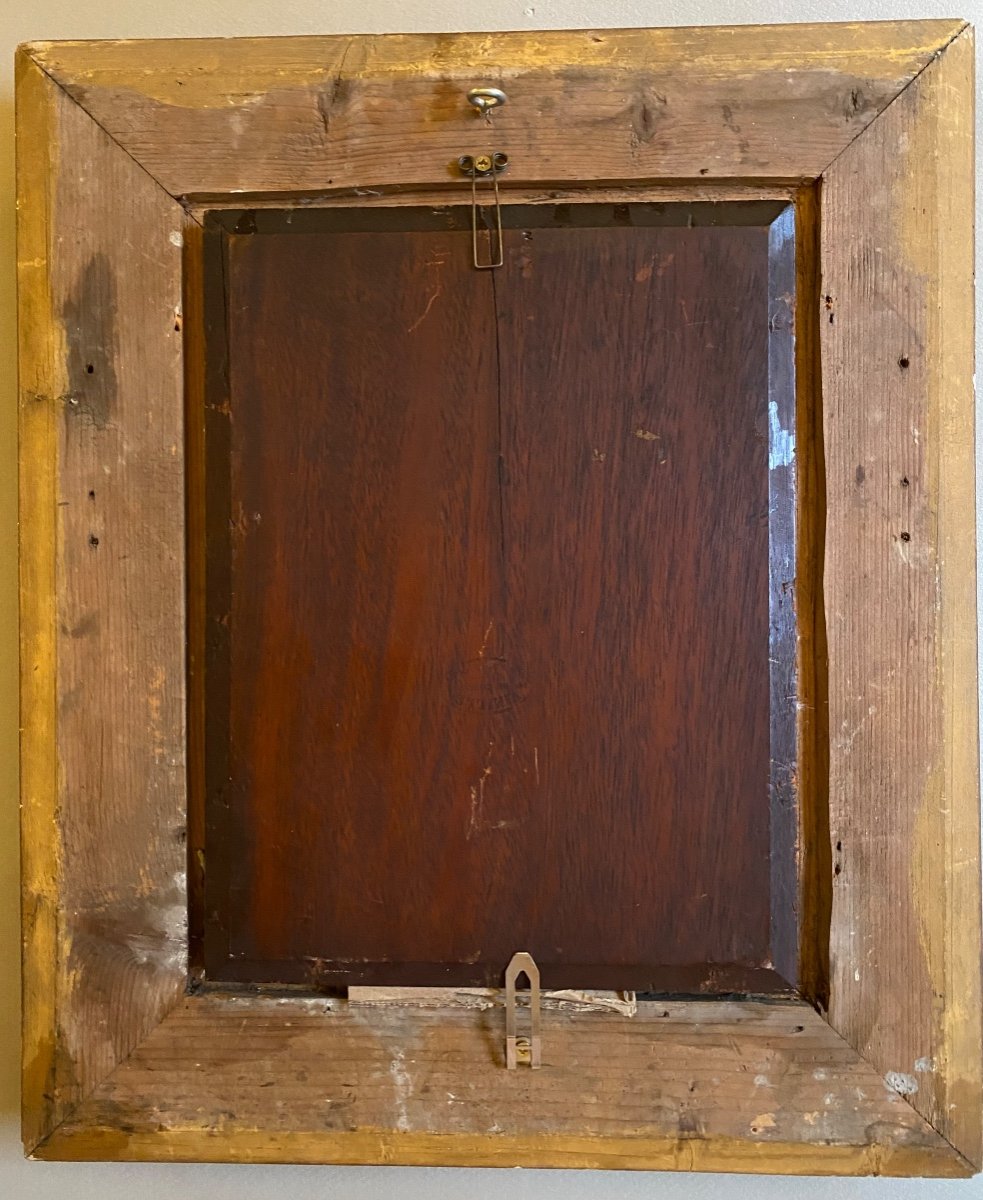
(122, 146)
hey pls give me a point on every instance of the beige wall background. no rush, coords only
(25, 20)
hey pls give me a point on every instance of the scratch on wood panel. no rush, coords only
(901, 548)
(476, 820)
(473, 820)
(155, 700)
(844, 743)
(423, 316)
(477, 791)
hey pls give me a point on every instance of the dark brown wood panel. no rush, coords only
(488, 591)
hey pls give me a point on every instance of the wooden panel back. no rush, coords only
(489, 600)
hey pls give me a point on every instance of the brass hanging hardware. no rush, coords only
(485, 166)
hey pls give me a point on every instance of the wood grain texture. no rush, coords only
(101, 528)
(492, 638)
(722, 1086)
(648, 104)
(897, 350)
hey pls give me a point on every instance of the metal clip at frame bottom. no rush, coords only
(485, 166)
(529, 1050)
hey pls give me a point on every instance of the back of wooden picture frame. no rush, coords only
(124, 150)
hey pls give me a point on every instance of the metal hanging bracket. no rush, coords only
(521, 1049)
(485, 166)
(484, 99)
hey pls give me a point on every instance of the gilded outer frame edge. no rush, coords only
(37, 496)
(716, 1154)
(41, 84)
